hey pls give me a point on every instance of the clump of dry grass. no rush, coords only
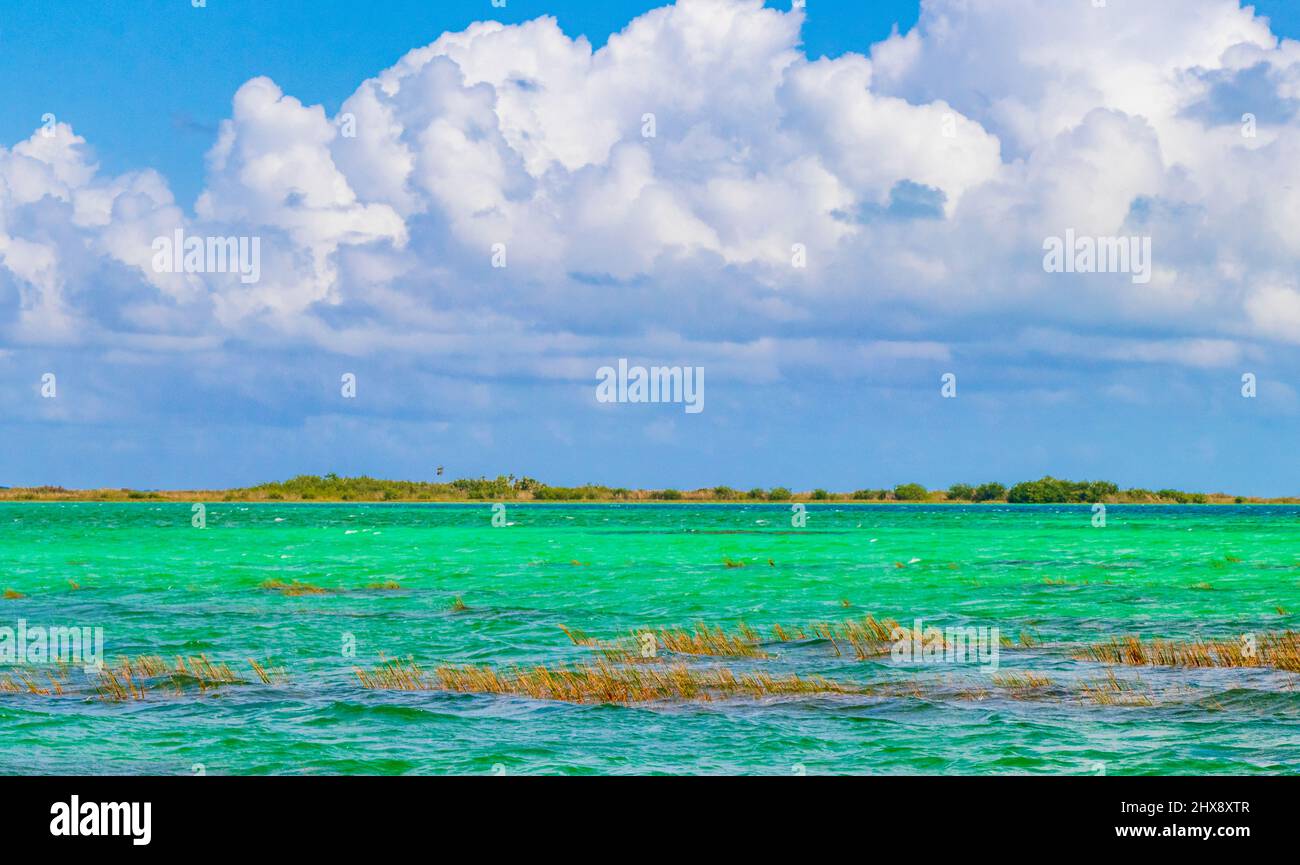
(1132, 651)
(458, 605)
(294, 589)
(394, 676)
(702, 640)
(385, 586)
(868, 637)
(11, 595)
(116, 690)
(144, 666)
(579, 638)
(597, 683)
(1022, 685)
(1277, 650)
(1113, 691)
(134, 678)
(196, 670)
(784, 636)
(26, 683)
(271, 675)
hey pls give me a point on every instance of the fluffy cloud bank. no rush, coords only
(654, 197)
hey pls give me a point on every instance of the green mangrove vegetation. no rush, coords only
(335, 488)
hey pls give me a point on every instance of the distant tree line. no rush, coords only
(333, 487)
(1047, 490)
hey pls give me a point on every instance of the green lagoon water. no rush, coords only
(156, 585)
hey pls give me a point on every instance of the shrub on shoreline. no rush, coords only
(961, 492)
(911, 493)
(332, 487)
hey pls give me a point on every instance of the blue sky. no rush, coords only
(924, 248)
(149, 82)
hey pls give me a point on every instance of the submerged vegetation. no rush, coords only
(610, 684)
(600, 682)
(703, 641)
(675, 671)
(647, 643)
(135, 678)
(294, 589)
(1114, 691)
(866, 638)
(28, 683)
(1279, 651)
(334, 488)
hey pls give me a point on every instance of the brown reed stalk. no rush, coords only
(1022, 685)
(272, 676)
(1277, 650)
(704, 640)
(294, 589)
(1113, 691)
(577, 637)
(598, 682)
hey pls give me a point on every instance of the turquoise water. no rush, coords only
(157, 585)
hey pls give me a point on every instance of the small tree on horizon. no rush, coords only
(990, 492)
(910, 493)
(961, 492)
